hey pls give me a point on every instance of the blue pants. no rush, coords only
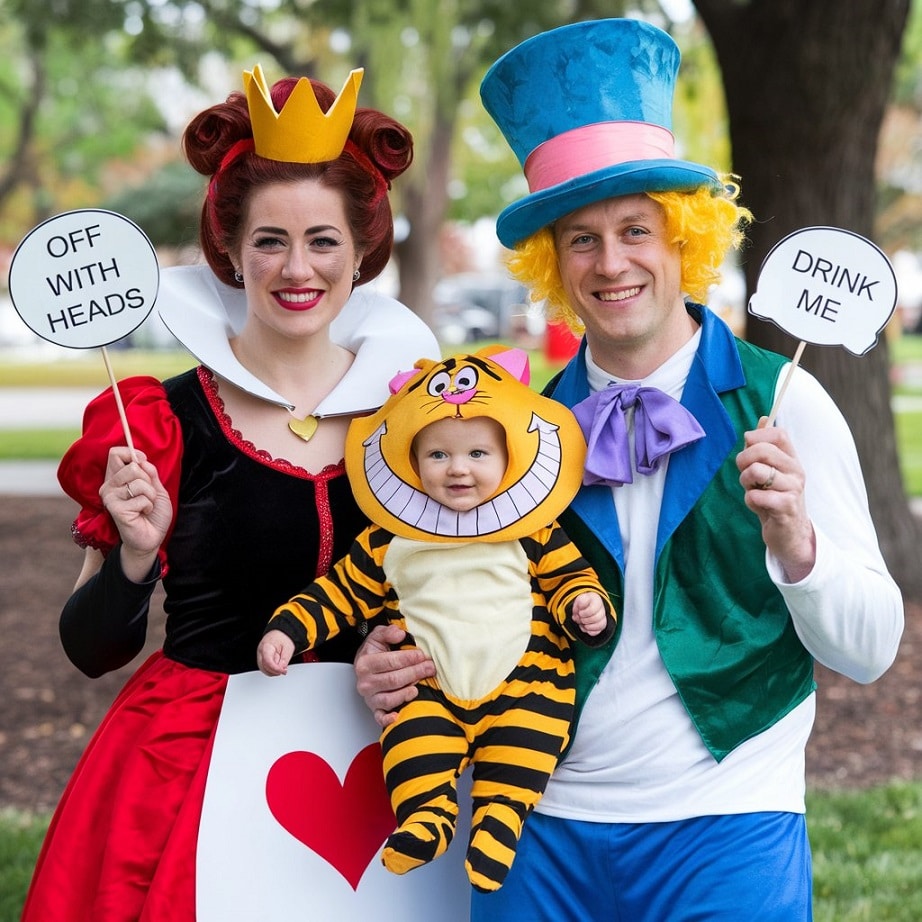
(752, 867)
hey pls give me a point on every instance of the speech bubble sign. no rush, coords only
(84, 278)
(827, 286)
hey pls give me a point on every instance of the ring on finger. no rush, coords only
(766, 484)
(128, 488)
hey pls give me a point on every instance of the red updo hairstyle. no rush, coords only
(378, 150)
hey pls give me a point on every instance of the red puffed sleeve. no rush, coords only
(155, 430)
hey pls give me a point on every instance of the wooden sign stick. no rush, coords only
(787, 380)
(118, 402)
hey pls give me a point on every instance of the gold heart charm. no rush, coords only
(303, 428)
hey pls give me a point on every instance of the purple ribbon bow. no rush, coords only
(661, 425)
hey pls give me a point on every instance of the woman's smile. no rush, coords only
(298, 299)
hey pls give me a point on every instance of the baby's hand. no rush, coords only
(589, 613)
(274, 653)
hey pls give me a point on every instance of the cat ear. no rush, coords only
(515, 361)
(401, 378)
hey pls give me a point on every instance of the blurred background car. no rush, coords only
(474, 306)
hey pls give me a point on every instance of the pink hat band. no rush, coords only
(584, 150)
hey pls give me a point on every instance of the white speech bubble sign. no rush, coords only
(827, 286)
(84, 278)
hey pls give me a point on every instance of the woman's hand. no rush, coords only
(772, 476)
(140, 507)
(386, 678)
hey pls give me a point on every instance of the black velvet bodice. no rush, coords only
(246, 537)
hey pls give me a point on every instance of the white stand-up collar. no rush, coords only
(385, 336)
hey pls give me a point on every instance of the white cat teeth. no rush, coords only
(419, 511)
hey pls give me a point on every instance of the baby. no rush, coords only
(462, 473)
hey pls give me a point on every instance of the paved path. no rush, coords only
(29, 478)
(44, 407)
(38, 408)
(25, 408)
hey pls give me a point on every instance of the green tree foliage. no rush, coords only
(907, 86)
(423, 60)
(69, 107)
(899, 218)
(167, 205)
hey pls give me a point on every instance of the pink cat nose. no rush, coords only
(458, 396)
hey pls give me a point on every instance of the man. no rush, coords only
(737, 553)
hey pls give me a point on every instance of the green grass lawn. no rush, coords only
(867, 855)
(77, 368)
(909, 446)
(88, 370)
(20, 840)
(35, 444)
(906, 348)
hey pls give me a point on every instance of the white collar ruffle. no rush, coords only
(385, 336)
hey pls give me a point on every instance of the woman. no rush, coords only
(234, 492)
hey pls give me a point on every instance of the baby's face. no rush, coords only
(461, 462)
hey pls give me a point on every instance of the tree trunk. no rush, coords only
(425, 200)
(19, 169)
(807, 84)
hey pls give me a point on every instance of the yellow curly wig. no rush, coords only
(706, 227)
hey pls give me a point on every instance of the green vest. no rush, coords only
(723, 630)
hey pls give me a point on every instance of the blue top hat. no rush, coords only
(587, 109)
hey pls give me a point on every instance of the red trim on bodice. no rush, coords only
(321, 492)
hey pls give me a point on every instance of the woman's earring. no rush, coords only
(356, 275)
(238, 277)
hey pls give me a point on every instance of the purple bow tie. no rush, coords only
(661, 425)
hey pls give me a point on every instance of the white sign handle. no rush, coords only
(118, 402)
(784, 386)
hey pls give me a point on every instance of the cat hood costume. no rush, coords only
(537, 486)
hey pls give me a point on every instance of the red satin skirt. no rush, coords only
(121, 846)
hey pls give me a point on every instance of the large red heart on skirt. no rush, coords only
(345, 824)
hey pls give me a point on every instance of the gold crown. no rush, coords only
(301, 132)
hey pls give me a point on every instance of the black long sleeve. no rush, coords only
(103, 624)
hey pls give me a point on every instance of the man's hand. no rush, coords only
(386, 678)
(772, 476)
